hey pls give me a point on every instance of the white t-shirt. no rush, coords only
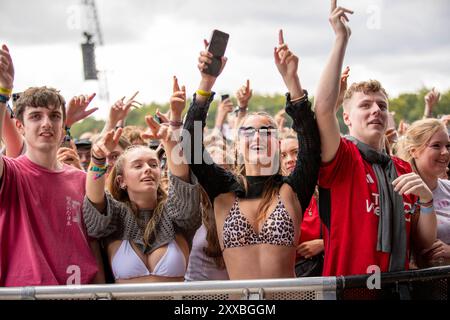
(441, 201)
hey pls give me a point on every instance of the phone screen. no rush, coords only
(225, 97)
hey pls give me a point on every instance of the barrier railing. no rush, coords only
(320, 288)
(431, 283)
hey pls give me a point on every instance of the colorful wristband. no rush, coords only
(3, 98)
(99, 170)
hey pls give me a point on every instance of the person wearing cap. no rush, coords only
(84, 152)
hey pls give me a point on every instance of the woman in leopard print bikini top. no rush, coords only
(259, 198)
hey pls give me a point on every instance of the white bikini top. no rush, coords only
(127, 264)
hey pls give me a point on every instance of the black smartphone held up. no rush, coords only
(157, 118)
(217, 46)
(67, 142)
(225, 97)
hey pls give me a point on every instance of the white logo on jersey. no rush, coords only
(375, 207)
(369, 178)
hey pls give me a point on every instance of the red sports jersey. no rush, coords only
(351, 229)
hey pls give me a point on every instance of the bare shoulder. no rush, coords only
(289, 198)
(224, 202)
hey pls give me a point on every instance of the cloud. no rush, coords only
(403, 43)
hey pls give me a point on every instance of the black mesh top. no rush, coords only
(216, 180)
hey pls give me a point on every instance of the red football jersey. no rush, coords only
(350, 236)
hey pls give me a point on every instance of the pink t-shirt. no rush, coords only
(42, 235)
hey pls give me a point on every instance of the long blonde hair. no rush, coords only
(113, 186)
(416, 137)
(271, 188)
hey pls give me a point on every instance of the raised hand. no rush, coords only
(285, 60)
(6, 69)
(76, 109)
(69, 156)
(280, 119)
(177, 100)
(402, 127)
(223, 109)
(446, 120)
(431, 99)
(106, 143)
(244, 94)
(157, 131)
(342, 87)
(120, 109)
(412, 183)
(338, 20)
(205, 59)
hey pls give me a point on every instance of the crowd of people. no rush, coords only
(248, 199)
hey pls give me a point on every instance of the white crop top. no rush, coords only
(127, 264)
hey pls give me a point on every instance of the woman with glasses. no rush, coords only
(257, 211)
(426, 146)
(147, 232)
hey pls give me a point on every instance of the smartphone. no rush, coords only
(217, 46)
(157, 118)
(225, 97)
(66, 142)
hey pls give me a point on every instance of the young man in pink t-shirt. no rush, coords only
(42, 234)
(367, 199)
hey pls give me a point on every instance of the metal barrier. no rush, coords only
(431, 283)
(320, 288)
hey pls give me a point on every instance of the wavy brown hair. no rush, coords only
(113, 186)
(212, 249)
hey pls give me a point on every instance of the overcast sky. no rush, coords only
(403, 43)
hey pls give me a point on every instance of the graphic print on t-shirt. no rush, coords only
(73, 209)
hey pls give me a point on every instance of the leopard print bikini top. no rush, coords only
(278, 229)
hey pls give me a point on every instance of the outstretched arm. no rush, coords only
(6, 85)
(95, 180)
(213, 178)
(169, 131)
(14, 141)
(304, 177)
(328, 89)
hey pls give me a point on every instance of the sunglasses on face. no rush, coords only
(249, 132)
